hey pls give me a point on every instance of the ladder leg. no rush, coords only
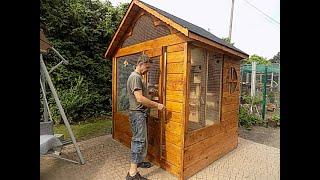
(64, 117)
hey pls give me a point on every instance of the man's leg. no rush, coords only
(145, 132)
(145, 150)
(138, 142)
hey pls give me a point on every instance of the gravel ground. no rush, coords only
(268, 136)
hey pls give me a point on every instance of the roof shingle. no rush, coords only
(194, 28)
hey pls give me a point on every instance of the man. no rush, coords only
(139, 110)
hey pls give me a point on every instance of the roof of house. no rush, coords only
(188, 29)
(194, 28)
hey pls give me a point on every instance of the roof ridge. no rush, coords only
(195, 29)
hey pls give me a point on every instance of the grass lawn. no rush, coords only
(86, 129)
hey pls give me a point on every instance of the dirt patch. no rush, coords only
(268, 136)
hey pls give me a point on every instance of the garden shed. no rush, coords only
(195, 74)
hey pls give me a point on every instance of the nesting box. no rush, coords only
(194, 74)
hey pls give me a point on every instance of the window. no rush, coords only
(125, 66)
(204, 88)
(232, 79)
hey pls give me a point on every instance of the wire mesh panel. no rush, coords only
(125, 66)
(196, 88)
(144, 30)
(273, 77)
(213, 88)
(153, 84)
(204, 88)
(270, 73)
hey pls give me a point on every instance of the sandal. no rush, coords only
(144, 165)
(135, 177)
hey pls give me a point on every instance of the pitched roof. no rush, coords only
(188, 29)
(194, 28)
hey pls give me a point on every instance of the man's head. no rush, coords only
(143, 64)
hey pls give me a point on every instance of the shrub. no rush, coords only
(81, 30)
(76, 102)
(276, 118)
(247, 120)
(248, 99)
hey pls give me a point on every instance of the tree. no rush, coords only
(228, 40)
(256, 58)
(276, 58)
(81, 30)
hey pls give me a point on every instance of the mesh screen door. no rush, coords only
(204, 88)
(125, 66)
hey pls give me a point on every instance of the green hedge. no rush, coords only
(80, 30)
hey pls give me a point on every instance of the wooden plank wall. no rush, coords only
(174, 90)
(173, 125)
(121, 126)
(206, 145)
(122, 130)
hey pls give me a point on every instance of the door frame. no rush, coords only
(153, 52)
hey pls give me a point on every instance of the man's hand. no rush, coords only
(161, 107)
(147, 102)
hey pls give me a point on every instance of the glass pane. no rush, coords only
(125, 66)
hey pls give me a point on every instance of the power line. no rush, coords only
(273, 20)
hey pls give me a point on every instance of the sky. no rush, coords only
(252, 31)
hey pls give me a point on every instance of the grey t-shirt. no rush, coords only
(135, 83)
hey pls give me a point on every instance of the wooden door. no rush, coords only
(122, 132)
(154, 86)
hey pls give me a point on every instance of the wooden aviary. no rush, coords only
(195, 75)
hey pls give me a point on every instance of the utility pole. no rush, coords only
(231, 18)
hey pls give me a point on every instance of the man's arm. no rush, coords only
(145, 101)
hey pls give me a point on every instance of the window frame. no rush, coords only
(207, 51)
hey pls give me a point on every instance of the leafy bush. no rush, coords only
(248, 99)
(81, 31)
(276, 118)
(271, 97)
(77, 101)
(246, 119)
(258, 59)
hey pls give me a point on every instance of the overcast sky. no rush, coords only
(252, 31)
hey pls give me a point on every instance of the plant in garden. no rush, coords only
(276, 118)
(247, 119)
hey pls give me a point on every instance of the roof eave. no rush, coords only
(166, 20)
(200, 38)
(109, 52)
